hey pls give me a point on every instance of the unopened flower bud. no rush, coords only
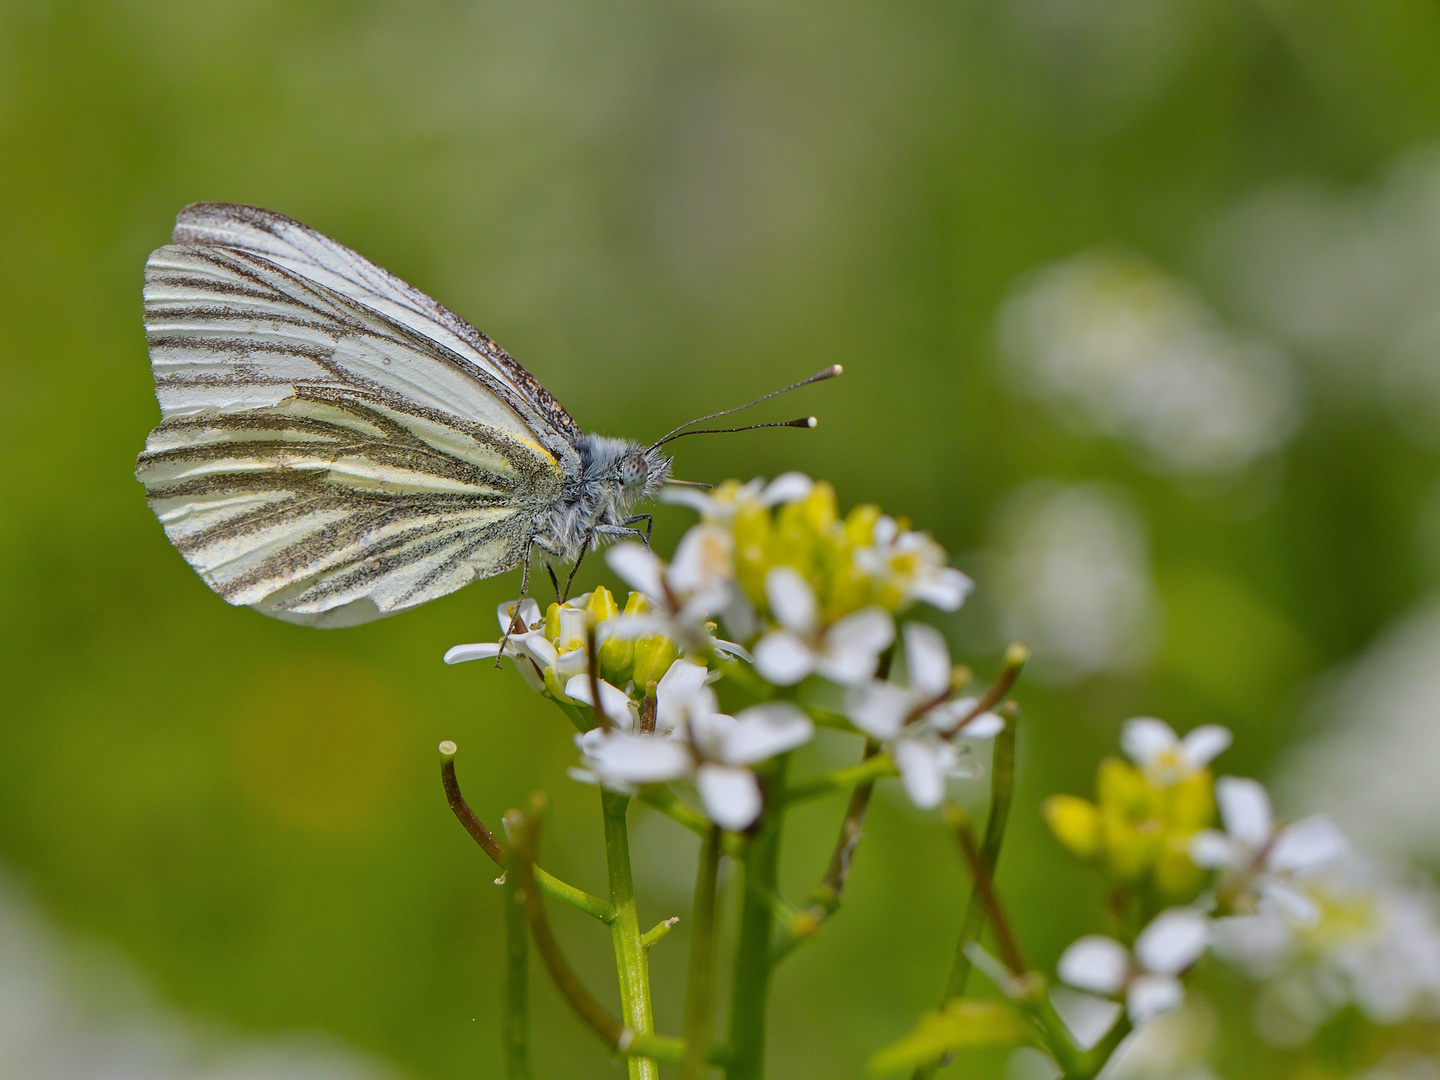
(653, 657)
(602, 606)
(1193, 802)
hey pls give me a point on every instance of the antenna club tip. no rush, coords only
(812, 421)
(837, 369)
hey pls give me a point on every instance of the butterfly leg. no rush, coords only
(516, 626)
(575, 569)
(649, 524)
(555, 581)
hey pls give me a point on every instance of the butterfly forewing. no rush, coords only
(320, 460)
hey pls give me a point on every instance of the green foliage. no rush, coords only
(963, 1024)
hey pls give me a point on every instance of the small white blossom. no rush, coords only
(846, 652)
(1172, 943)
(696, 585)
(722, 504)
(1165, 757)
(919, 721)
(694, 741)
(913, 565)
(1269, 859)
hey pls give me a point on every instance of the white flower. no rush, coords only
(697, 584)
(913, 565)
(535, 655)
(918, 721)
(721, 504)
(1172, 942)
(694, 741)
(1165, 757)
(846, 652)
(1269, 859)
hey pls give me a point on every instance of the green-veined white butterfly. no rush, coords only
(336, 446)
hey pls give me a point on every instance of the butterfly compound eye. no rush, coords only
(632, 470)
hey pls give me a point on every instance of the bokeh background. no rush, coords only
(1139, 302)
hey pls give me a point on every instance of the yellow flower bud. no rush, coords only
(617, 655)
(860, 525)
(1192, 802)
(1121, 788)
(653, 657)
(1129, 851)
(753, 559)
(602, 606)
(1075, 823)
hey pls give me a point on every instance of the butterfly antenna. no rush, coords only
(803, 421)
(820, 376)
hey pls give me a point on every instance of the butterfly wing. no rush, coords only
(321, 460)
(296, 247)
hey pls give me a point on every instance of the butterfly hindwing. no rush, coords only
(319, 460)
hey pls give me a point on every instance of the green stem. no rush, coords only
(1002, 791)
(547, 884)
(631, 963)
(517, 974)
(750, 988)
(700, 982)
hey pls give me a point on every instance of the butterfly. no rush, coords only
(335, 446)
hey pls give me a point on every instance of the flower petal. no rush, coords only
(787, 487)
(946, 590)
(1306, 846)
(1245, 810)
(1145, 738)
(682, 681)
(1151, 995)
(613, 700)
(1212, 849)
(636, 759)
(1291, 902)
(791, 599)
(1173, 940)
(878, 709)
(1204, 744)
(482, 650)
(731, 796)
(985, 726)
(924, 765)
(1095, 963)
(853, 646)
(763, 731)
(695, 498)
(1087, 1017)
(927, 660)
(782, 658)
(638, 567)
(702, 560)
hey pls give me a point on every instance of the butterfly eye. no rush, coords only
(633, 471)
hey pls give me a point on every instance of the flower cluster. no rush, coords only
(1252, 884)
(1147, 811)
(810, 599)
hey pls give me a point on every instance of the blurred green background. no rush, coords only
(661, 208)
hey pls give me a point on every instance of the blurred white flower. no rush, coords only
(845, 652)
(1265, 860)
(700, 744)
(75, 1010)
(1373, 763)
(685, 594)
(1350, 279)
(913, 566)
(1375, 945)
(721, 504)
(1071, 570)
(1149, 981)
(1107, 340)
(1166, 758)
(918, 722)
